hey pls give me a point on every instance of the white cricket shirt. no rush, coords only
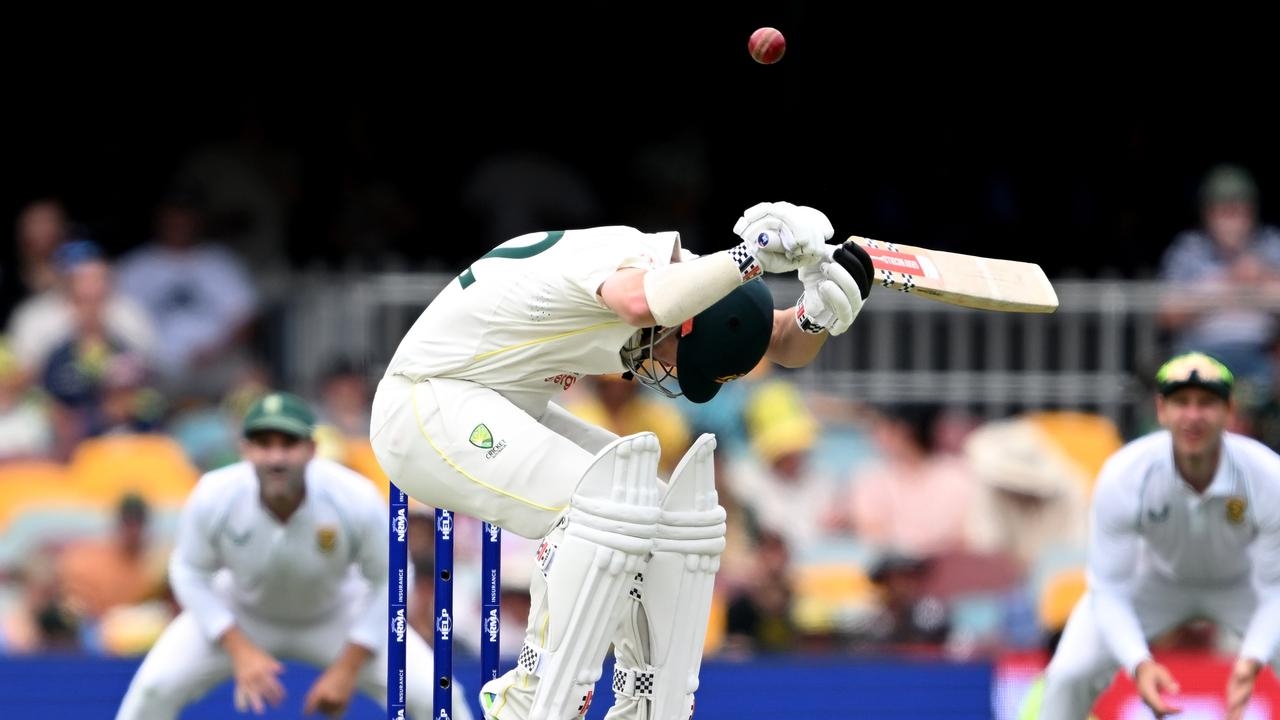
(1146, 518)
(294, 572)
(525, 319)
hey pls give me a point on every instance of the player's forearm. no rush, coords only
(671, 294)
(195, 593)
(371, 625)
(1263, 636)
(789, 346)
(235, 642)
(353, 657)
(1122, 632)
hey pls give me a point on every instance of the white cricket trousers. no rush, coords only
(462, 446)
(184, 665)
(1083, 667)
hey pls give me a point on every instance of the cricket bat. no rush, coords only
(958, 279)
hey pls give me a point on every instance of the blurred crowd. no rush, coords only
(851, 528)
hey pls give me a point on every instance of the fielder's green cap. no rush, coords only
(725, 341)
(282, 412)
(1195, 369)
(1228, 183)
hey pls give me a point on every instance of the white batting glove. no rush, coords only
(831, 299)
(783, 237)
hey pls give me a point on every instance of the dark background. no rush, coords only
(1075, 139)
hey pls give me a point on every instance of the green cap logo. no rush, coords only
(481, 437)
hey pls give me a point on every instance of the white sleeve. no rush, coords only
(194, 562)
(235, 294)
(370, 628)
(1113, 559)
(1262, 637)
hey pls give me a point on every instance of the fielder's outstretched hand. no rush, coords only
(1240, 687)
(1153, 680)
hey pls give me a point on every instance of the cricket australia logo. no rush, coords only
(481, 437)
(444, 624)
(398, 625)
(445, 524)
(491, 625)
(1161, 516)
(401, 525)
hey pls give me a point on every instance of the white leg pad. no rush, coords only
(663, 634)
(608, 539)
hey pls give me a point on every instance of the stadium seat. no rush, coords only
(153, 466)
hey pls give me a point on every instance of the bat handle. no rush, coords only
(829, 252)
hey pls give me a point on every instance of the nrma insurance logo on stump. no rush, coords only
(494, 532)
(398, 625)
(491, 625)
(401, 526)
(444, 624)
(445, 524)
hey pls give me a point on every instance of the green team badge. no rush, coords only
(481, 437)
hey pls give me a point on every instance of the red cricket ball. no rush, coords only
(767, 45)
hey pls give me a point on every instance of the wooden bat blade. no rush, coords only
(959, 279)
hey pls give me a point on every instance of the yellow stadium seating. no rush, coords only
(153, 466)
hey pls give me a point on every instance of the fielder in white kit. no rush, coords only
(1186, 524)
(463, 420)
(280, 557)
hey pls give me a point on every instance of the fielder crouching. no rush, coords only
(280, 557)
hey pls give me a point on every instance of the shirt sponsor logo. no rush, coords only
(1157, 516)
(1235, 510)
(564, 380)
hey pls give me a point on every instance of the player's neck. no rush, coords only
(1198, 469)
(283, 507)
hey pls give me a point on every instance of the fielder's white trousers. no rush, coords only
(1082, 667)
(184, 665)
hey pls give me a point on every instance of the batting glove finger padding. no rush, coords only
(783, 236)
(855, 260)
